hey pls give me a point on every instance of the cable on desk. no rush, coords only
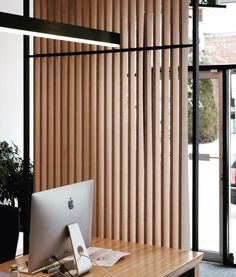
(62, 266)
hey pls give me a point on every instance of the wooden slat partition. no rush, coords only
(100, 182)
(148, 31)
(51, 101)
(117, 118)
(57, 103)
(78, 103)
(108, 124)
(116, 129)
(124, 121)
(71, 101)
(132, 123)
(140, 128)
(156, 122)
(93, 110)
(174, 125)
(86, 96)
(165, 141)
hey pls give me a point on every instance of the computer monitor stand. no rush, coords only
(82, 260)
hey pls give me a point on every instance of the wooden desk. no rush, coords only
(144, 261)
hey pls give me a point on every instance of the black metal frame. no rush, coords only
(26, 132)
(111, 51)
(195, 181)
(210, 6)
(225, 177)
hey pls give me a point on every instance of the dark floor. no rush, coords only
(216, 270)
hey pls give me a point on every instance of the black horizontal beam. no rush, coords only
(110, 51)
(208, 67)
(45, 28)
(211, 6)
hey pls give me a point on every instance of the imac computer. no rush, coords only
(51, 212)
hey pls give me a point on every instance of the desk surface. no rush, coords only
(144, 261)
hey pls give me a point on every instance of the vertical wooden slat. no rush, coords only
(174, 180)
(132, 122)
(51, 105)
(101, 130)
(71, 101)
(93, 116)
(37, 106)
(44, 109)
(148, 123)
(79, 102)
(108, 125)
(124, 120)
(58, 115)
(86, 98)
(64, 88)
(140, 120)
(165, 171)
(116, 128)
(157, 121)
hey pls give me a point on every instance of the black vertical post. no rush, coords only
(26, 133)
(195, 124)
(226, 166)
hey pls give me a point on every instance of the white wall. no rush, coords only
(11, 80)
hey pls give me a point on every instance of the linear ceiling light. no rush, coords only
(54, 30)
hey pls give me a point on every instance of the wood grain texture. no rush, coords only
(125, 122)
(144, 260)
(116, 129)
(140, 124)
(174, 125)
(148, 36)
(51, 102)
(165, 170)
(78, 102)
(132, 124)
(108, 125)
(65, 99)
(71, 101)
(157, 20)
(101, 129)
(117, 118)
(86, 96)
(57, 104)
(93, 113)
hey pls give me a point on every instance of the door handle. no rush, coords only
(204, 157)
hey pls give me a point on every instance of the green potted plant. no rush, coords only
(11, 174)
(13, 190)
(12, 184)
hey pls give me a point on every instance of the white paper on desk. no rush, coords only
(96, 252)
(105, 257)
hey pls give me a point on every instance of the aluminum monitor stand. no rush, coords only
(82, 261)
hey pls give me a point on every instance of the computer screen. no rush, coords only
(51, 211)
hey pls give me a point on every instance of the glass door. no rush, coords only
(210, 164)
